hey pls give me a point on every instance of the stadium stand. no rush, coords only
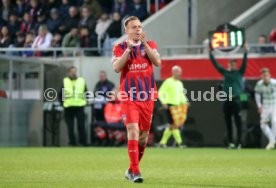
(61, 17)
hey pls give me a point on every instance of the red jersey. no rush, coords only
(137, 77)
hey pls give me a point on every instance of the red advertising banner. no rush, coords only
(203, 69)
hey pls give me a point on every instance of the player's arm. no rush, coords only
(120, 62)
(244, 61)
(216, 64)
(163, 94)
(183, 97)
(258, 98)
(152, 53)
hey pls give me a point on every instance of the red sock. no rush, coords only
(133, 153)
(141, 151)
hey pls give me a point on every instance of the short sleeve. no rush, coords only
(117, 52)
(153, 45)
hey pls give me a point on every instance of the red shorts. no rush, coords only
(138, 112)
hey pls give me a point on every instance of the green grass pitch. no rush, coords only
(105, 167)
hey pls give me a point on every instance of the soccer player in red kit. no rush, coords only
(135, 58)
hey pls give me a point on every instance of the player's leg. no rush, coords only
(168, 131)
(177, 136)
(228, 121)
(134, 174)
(142, 142)
(166, 136)
(133, 151)
(130, 115)
(273, 122)
(69, 119)
(238, 122)
(265, 117)
(145, 117)
(81, 125)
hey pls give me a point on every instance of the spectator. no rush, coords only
(2, 22)
(84, 37)
(102, 25)
(33, 9)
(272, 38)
(20, 9)
(19, 42)
(13, 25)
(71, 40)
(43, 40)
(103, 86)
(41, 20)
(71, 22)
(64, 9)
(54, 22)
(87, 19)
(106, 5)
(87, 40)
(114, 31)
(5, 9)
(137, 8)
(50, 4)
(28, 44)
(56, 43)
(161, 4)
(115, 28)
(120, 6)
(53, 4)
(263, 48)
(94, 7)
(27, 23)
(5, 40)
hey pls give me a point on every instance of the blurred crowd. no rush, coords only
(264, 42)
(67, 23)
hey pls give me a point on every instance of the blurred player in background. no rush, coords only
(233, 81)
(135, 58)
(171, 94)
(265, 95)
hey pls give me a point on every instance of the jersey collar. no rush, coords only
(137, 44)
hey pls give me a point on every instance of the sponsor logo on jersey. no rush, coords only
(141, 66)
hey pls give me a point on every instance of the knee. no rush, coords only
(174, 128)
(171, 127)
(143, 138)
(133, 133)
(143, 141)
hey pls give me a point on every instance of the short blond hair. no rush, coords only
(43, 28)
(131, 18)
